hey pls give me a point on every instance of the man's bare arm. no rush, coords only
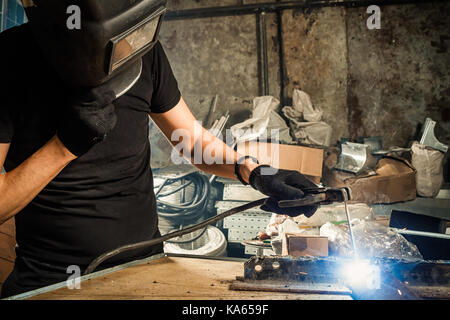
(20, 186)
(181, 118)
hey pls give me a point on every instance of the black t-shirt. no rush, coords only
(104, 199)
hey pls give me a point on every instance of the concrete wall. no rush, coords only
(369, 82)
(399, 75)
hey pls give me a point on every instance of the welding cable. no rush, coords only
(195, 206)
(187, 210)
(150, 243)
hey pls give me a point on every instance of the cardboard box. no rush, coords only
(393, 181)
(308, 161)
(301, 246)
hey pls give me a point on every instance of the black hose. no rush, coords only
(190, 209)
(189, 240)
(187, 212)
(94, 264)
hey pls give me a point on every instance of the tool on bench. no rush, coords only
(94, 264)
(319, 196)
(316, 196)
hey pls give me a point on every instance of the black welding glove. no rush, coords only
(87, 120)
(281, 185)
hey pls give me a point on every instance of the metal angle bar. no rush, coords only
(323, 270)
(249, 9)
(290, 287)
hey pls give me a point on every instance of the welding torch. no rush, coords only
(314, 196)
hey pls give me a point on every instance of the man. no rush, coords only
(78, 179)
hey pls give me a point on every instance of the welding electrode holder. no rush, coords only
(145, 244)
(317, 196)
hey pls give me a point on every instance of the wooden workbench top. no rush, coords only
(173, 278)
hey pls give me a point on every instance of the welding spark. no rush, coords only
(361, 274)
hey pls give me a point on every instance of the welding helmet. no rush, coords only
(93, 42)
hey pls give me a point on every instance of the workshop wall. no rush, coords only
(369, 82)
(219, 56)
(399, 75)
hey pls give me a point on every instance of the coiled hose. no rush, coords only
(186, 211)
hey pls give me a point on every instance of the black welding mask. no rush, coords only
(92, 42)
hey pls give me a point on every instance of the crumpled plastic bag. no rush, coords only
(256, 126)
(302, 104)
(372, 240)
(428, 163)
(305, 121)
(282, 133)
(315, 133)
(275, 221)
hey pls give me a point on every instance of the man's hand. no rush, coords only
(88, 120)
(281, 185)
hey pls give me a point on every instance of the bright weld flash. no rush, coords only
(361, 274)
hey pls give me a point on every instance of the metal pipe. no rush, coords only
(249, 9)
(265, 54)
(4, 8)
(259, 54)
(281, 56)
(346, 197)
(422, 233)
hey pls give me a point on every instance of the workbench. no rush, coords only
(167, 277)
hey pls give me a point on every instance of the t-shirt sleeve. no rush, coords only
(166, 93)
(6, 124)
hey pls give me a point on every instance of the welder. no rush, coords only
(74, 124)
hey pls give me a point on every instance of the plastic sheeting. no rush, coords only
(335, 213)
(256, 127)
(371, 240)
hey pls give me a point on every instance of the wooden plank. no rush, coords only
(172, 278)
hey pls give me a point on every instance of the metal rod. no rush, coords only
(4, 8)
(212, 110)
(347, 212)
(259, 54)
(422, 233)
(250, 9)
(265, 54)
(281, 56)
